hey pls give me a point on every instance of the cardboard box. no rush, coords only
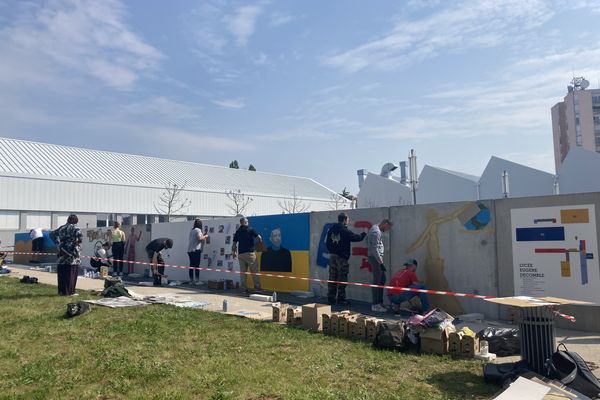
(344, 321)
(372, 326)
(280, 312)
(469, 346)
(334, 325)
(215, 284)
(312, 316)
(360, 332)
(294, 316)
(358, 329)
(326, 321)
(435, 341)
(454, 343)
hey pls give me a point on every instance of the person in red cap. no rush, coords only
(407, 278)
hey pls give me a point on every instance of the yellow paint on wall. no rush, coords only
(575, 216)
(565, 269)
(300, 268)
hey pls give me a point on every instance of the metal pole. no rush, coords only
(412, 164)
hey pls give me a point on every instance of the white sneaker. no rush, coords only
(197, 283)
(378, 308)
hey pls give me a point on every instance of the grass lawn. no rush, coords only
(164, 352)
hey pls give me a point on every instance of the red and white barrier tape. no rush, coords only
(370, 285)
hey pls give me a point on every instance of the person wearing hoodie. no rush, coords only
(339, 239)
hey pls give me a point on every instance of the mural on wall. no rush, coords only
(134, 246)
(286, 250)
(23, 245)
(452, 249)
(555, 252)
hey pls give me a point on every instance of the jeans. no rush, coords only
(158, 276)
(118, 249)
(194, 263)
(407, 296)
(379, 278)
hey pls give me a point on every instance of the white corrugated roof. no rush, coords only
(24, 158)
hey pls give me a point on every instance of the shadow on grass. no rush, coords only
(454, 384)
(20, 296)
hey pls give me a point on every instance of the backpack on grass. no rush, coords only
(391, 336)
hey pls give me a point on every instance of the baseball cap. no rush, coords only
(410, 261)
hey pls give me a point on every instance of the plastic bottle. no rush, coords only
(225, 305)
(274, 297)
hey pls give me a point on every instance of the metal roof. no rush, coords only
(50, 161)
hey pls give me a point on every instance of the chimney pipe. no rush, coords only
(403, 172)
(362, 173)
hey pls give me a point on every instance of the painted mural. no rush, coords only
(23, 245)
(555, 252)
(285, 252)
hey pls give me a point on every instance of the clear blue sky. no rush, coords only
(310, 88)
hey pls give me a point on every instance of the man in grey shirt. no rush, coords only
(375, 254)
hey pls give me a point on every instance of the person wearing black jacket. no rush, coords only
(338, 242)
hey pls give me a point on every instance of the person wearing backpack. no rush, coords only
(338, 243)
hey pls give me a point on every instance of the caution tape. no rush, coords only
(270, 275)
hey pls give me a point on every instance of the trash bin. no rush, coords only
(537, 336)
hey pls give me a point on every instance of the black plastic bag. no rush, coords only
(502, 341)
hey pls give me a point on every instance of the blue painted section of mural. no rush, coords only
(26, 239)
(322, 252)
(480, 220)
(295, 229)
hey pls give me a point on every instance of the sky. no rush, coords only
(308, 88)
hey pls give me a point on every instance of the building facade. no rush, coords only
(41, 184)
(576, 121)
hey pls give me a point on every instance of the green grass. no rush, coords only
(164, 352)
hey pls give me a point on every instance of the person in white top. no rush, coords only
(375, 254)
(195, 244)
(37, 243)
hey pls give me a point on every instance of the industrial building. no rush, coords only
(41, 184)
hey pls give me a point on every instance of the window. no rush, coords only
(38, 220)
(9, 219)
(596, 101)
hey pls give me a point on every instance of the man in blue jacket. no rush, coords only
(338, 242)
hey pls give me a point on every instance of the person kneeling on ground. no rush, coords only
(101, 258)
(407, 278)
(154, 250)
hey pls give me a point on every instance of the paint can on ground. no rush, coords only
(225, 305)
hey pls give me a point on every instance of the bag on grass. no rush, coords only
(29, 279)
(391, 336)
(572, 370)
(502, 341)
(79, 308)
(501, 374)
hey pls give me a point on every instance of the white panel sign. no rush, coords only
(555, 252)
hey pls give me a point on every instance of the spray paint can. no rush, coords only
(225, 305)
(274, 297)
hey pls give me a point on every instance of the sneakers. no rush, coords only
(378, 308)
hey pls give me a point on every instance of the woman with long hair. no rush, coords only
(118, 248)
(195, 244)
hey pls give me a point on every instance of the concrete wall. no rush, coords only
(453, 253)
(587, 317)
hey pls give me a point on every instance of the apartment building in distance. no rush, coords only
(576, 120)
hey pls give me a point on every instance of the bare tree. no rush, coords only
(337, 202)
(171, 201)
(293, 205)
(240, 201)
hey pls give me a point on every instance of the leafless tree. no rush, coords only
(293, 205)
(337, 202)
(239, 201)
(171, 201)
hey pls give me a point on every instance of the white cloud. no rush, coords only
(243, 22)
(296, 135)
(61, 37)
(163, 108)
(233, 104)
(460, 26)
(183, 139)
(278, 19)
